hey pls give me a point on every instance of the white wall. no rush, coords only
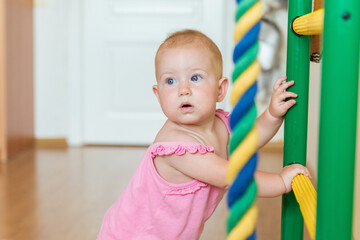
(57, 67)
(51, 83)
(58, 71)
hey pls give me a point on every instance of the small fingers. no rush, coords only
(303, 170)
(279, 82)
(288, 104)
(285, 85)
(283, 96)
(307, 173)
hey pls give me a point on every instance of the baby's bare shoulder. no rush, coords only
(175, 135)
(172, 133)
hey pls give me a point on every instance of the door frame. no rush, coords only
(75, 73)
(75, 65)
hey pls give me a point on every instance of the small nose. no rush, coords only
(184, 89)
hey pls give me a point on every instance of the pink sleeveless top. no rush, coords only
(151, 208)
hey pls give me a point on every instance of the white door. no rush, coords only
(120, 41)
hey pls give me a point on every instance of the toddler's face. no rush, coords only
(187, 84)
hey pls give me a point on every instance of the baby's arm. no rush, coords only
(273, 185)
(209, 167)
(271, 119)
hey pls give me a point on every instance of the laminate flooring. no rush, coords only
(62, 194)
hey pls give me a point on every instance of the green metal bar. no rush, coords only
(338, 112)
(295, 137)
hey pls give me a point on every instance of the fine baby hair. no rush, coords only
(190, 36)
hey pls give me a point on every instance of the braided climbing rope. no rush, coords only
(244, 141)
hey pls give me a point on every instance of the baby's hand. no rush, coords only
(289, 172)
(278, 106)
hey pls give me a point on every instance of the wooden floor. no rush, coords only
(63, 194)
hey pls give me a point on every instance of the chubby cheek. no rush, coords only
(168, 106)
(208, 97)
(207, 89)
(207, 104)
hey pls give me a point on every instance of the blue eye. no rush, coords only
(195, 78)
(170, 81)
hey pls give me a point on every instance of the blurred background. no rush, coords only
(76, 79)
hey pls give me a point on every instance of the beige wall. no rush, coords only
(16, 78)
(313, 122)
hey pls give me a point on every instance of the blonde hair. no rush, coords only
(189, 36)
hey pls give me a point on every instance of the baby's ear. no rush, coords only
(223, 87)
(156, 91)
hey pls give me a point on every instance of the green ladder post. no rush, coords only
(295, 135)
(338, 113)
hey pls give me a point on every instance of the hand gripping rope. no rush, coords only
(243, 144)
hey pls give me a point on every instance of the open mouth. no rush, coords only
(186, 106)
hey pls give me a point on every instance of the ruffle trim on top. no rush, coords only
(192, 188)
(222, 112)
(179, 149)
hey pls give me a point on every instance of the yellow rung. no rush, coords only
(309, 24)
(306, 197)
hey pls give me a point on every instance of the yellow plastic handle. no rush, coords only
(309, 24)
(306, 197)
